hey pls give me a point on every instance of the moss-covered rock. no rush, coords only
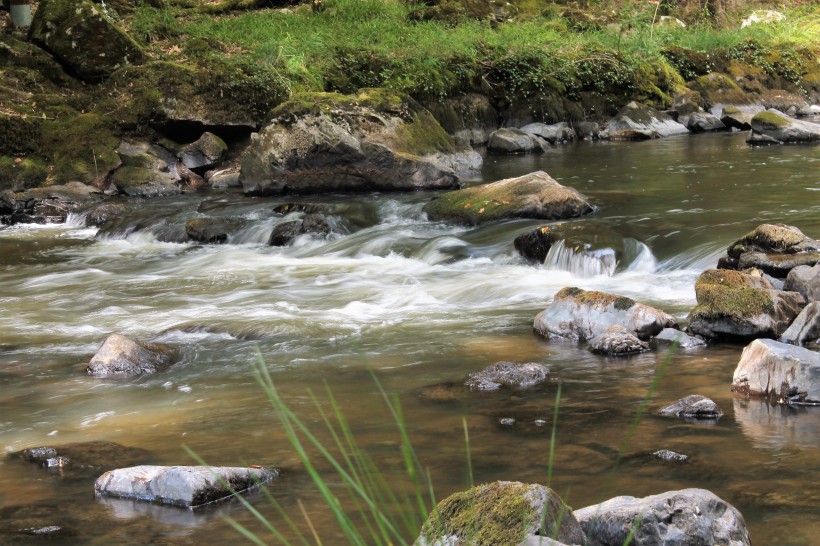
(773, 239)
(717, 88)
(501, 513)
(535, 195)
(774, 126)
(373, 140)
(80, 148)
(84, 38)
(735, 304)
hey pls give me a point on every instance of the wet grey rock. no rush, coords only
(779, 372)
(805, 328)
(617, 341)
(284, 233)
(582, 315)
(684, 340)
(508, 374)
(122, 356)
(775, 249)
(204, 153)
(535, 245)
(638, 122)
(224, 178)
(737, 117)
(694, 406)
(695, 517)
(101, 214)
(515, 141)
(805, 280)
(670, 456)
(556, 133)
(49, 205)
(703, 122)
(777, 127)
(587, 130)
(184, 486)
(490, 510)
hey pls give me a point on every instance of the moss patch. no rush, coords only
(80, 148)
(770, 120)
(726, 293)
(595, 298)
(716, 88)
(21, 173)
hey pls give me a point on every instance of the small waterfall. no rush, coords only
(581, 262)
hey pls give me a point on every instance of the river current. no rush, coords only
(420, 304)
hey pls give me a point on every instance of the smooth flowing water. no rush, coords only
(422, 304)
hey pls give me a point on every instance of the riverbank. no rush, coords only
(186, 69)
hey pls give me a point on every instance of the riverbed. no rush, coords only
(419, 304)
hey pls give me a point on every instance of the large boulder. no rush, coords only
(637, 122)
(204, 153)
(780, 372)
(775, 127)
(558, 132)
(694, 517)
(703, 122)
(617, 341)
(184, 486)
(507, 374)
(501, 513)
(805, 328)
(378, 140)
(584, 314)
(534, 195)
(735, 304)
(515, 141)
(84, 37)
(774, 248)
(123, 356)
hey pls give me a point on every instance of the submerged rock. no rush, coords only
(695, 517)
(741, 305)
(284, 233)
(184, 486)
(210, 230)
(83, 37)
(775, 127)
(501, 513)
(325, 142)
(779, 372)
(694, 406)
(515, 141)
(123, 356)
(617, 341)
(83, 457)
(535, 195)
(101, 214)
(684, 340)
(670, 456)
(637, 122)
(581, 314)
(507, 374)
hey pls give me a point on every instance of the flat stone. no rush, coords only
(694, 517)
(184, 486)
(779, 372)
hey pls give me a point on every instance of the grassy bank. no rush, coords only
(561, 61)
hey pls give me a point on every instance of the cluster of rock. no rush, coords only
(529, 514)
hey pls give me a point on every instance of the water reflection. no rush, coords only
(777, 426)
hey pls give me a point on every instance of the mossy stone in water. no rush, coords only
(723, 292)
(83, 37)
(502, 513)
(773, 238)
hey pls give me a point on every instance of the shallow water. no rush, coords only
(420, 303)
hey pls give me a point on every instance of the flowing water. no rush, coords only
(422, 304)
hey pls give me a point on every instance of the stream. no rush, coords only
(420, 304)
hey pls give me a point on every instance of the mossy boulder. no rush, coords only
(82, 35)
(375, 140)
(81, 147)
(142, 182)
(776, 127)
(204, 153)
(501, 513)
(739, 305)
(534, 195)
(639, 122)
(717, 88)
(584, 314)
(773, 248)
